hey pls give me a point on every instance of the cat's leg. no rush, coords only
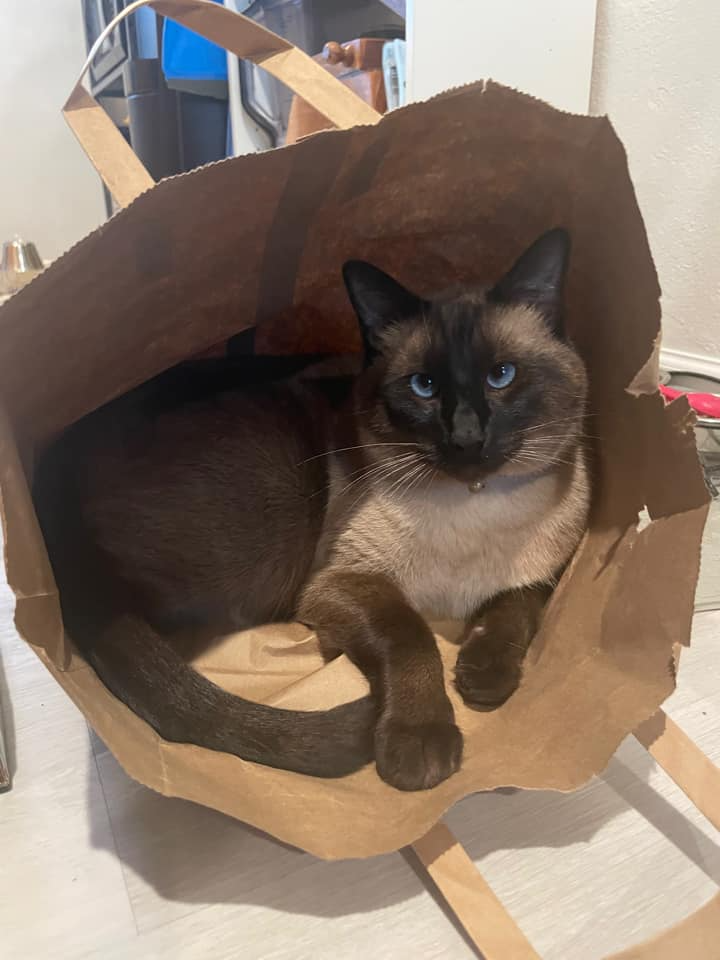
(417, 744)
(494, 644)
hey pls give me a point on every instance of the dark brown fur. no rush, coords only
(214, 508)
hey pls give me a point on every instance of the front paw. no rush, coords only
(417, 756)
(486, 674)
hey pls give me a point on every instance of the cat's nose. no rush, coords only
(467, 430)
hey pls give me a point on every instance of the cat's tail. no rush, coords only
(148, 674)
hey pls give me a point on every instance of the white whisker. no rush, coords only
(405, 478)
(578, 418)
(382, 470)
(417, 479)
(368, 470)
(360, 446)
(401, 469)
(546, 461)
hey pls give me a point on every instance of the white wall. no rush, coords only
(49, 193)
(655, 72)
(657, 75)
(544, 47)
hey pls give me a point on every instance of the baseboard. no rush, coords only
(680, 361)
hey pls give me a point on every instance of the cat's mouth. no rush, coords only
(468, 473)
(470, 469)
(479, 466)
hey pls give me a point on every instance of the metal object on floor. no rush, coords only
(707, 434)
(20, 263)
(707, 429)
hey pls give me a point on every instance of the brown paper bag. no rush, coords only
(439, 191)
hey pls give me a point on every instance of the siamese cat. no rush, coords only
(448, 479)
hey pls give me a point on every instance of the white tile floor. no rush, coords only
(93, 865)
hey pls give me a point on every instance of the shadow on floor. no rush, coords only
(182, 852)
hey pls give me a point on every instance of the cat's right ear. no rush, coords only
(378, 300)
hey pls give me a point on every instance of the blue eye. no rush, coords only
(423, 386)
(501, 375)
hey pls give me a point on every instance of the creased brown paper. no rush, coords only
(434, 192)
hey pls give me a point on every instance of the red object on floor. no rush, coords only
(707, 404)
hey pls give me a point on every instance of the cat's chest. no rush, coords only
(449, 553)
(453, 533)
(459, 555)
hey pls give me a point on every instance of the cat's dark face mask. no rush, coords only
(476, 383)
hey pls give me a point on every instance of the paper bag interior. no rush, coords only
(445, 191)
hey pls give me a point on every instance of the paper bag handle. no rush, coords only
(121, 171)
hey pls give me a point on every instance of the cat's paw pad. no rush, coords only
(486, 681)
(417, 756)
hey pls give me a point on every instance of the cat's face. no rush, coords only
(478, 383)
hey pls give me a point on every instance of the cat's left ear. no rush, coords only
(537, 277)
(378, 300)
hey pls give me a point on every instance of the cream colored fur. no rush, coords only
(448, 549)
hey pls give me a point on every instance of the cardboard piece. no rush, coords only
(694, 938)
(496, 935)
(483, 917)
(435, 192)
(695, 774)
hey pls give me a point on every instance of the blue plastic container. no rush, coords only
(187, 56)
